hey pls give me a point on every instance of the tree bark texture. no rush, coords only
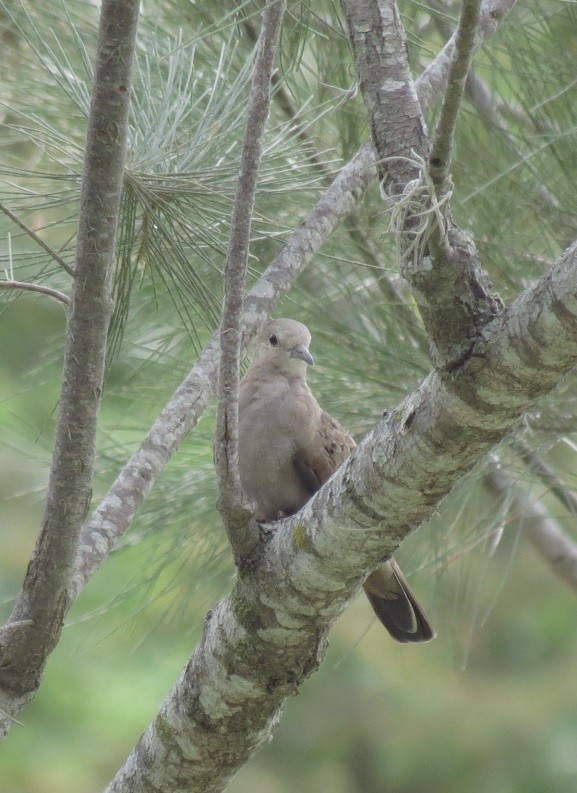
(397, 125)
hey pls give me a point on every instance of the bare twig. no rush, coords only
(43, 290)
(495, 111)
(234, 508)
(36, 621)
(440, 157)
(284, 101)
(432, 83)
(553, 544)
(32, 234)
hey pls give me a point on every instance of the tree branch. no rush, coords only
(397, 124)
(495, 112)
(440, 157)
(262, 641)
(285, 103)
(546, 475)
(545, 534)
(43, 290)
(454, 294)
(242, 530)
(36, 620)
(452, 275)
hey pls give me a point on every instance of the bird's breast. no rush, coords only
(271, 426)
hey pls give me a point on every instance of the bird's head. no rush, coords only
(283, 344)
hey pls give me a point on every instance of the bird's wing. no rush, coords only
(328, 447)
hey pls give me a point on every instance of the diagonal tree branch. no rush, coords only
(546, 474)
(263, 640)
(36, 620)
(242, 530)
(545, 534)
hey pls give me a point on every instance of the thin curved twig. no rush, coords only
(28, 287)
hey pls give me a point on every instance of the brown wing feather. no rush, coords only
(329, 448)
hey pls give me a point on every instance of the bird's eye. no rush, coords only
(273, 339)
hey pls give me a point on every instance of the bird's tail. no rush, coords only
(396, 606)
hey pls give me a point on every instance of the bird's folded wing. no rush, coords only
(328, 448)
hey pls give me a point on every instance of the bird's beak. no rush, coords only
(300, 351)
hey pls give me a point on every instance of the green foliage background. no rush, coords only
(491, 704)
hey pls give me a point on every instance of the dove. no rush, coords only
(289, 447)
